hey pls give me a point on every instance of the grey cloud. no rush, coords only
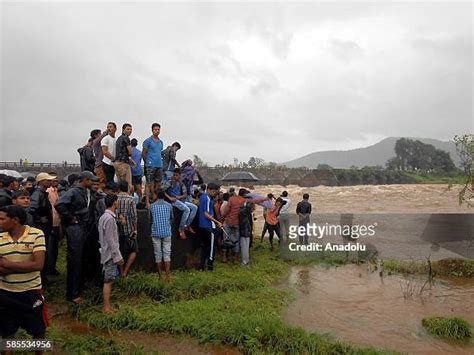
(345, 50)
(67, 69)
(276, 37)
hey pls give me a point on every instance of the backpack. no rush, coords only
(229, 241)
(245, 220)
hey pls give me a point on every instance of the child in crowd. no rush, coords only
(161, 216)
(110, 256)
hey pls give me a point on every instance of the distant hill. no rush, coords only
(377, 154)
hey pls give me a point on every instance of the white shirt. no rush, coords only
(109, 142)
(286, 206)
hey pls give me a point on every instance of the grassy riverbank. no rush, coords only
(232, 306)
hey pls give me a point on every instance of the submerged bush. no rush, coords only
(448, 328)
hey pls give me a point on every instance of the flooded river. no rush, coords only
(356, 305)
(417, 198)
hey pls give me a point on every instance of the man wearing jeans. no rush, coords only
(175, 192)
(161, 217)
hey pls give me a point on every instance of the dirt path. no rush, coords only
(151, 342)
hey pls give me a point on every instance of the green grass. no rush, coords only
(232, 306)
(64, 341)
(426, 178)
(249, 320)
(188, 285)
(445, 267)
(448, 328)
(89, 344)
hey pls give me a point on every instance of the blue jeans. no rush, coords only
(189, 212)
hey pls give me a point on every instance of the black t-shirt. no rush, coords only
(303, 207)
(121, 151)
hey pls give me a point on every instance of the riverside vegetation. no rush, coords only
(233, 306)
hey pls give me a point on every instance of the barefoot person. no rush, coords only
(110, 256)
(22, 254)
(161, 216)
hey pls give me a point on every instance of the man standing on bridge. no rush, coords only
(151, 153)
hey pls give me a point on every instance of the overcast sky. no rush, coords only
(272, 80)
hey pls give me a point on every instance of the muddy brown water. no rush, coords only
(151, 342)
(354, 304)
(417, 198)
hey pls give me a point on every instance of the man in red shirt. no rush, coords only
(231, 221)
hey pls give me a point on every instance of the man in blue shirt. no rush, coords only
(161, 216)
(176, 193)
(207, 225)
(151, 154)
(137, 168)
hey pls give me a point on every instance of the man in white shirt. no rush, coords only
(284, 216)
(108, 144)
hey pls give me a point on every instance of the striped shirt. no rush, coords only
(127, 208)
(21, 251)
(161, 216)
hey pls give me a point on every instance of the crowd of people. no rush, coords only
(96, 213)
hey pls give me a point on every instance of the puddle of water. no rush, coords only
(357, 305)
(151, 342)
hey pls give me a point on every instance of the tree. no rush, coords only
(272, 165)
(197, 162)
(259, 162)
(416, 155)
(323, 166)
(394, 163)
(252, 163)
(465, 150)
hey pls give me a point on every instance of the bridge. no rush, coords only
(266, 176)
